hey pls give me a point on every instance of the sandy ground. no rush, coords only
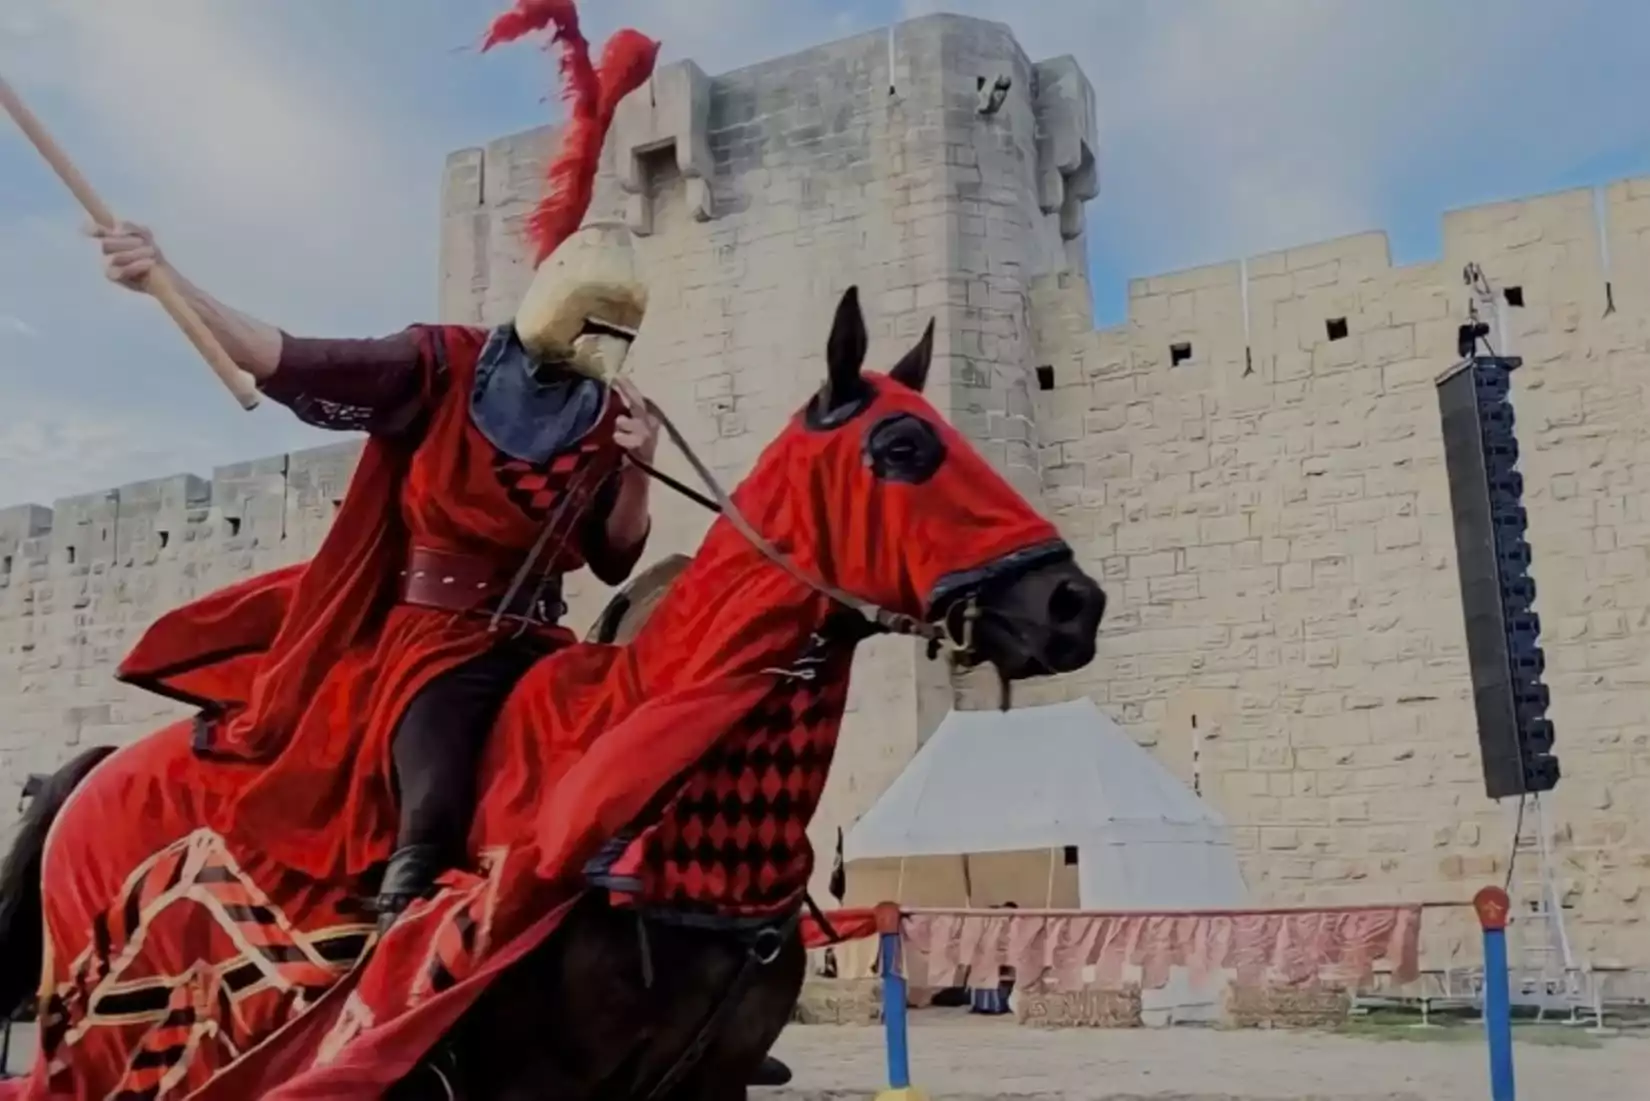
(966, 1059)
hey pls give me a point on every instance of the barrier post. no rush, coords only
(892, 968)
(1493, 907)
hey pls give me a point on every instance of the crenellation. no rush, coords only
(673, 120)
(1323, 534)
(1068, 173)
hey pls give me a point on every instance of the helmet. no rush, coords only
(587, 298)
(586, 301)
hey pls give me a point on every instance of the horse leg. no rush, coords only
(436, 749)
(565, 1020)
(748, 1029)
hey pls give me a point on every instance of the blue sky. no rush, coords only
(289, 156)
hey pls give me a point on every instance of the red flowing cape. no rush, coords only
(257, 651)
(561, 780)
(305, 671)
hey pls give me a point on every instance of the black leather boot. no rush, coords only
(409, 876)
(771, 1073)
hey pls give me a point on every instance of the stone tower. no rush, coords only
(759, 196)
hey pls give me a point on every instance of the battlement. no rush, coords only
(262, 504)
(1550, 247)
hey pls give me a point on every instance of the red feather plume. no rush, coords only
(592, 95)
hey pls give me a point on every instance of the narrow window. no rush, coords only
(1045, 377)
(1179, 353)
(1336, 327)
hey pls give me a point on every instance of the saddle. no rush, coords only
(631, 606)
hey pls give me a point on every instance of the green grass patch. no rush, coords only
(1399, 1027)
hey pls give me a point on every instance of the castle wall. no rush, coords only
(80, 581)
(1270, 515)
(1273, 520)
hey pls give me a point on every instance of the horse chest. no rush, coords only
(733, 840)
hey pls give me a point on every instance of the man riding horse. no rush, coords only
(495, 465)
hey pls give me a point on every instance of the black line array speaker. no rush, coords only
(1486, 492)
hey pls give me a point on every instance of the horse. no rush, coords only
(631, 925)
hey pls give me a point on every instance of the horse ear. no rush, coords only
(912, 369)
(846, 348)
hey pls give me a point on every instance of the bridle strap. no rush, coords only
(884, 619)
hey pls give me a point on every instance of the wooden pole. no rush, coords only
(159, 283)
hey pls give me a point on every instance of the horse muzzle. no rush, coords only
(1032, 613)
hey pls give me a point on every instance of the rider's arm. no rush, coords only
(374, 385)
(616, 532)
(378, 385)
(254, 345)
(355, 385)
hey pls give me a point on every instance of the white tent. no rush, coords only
(1051, 779)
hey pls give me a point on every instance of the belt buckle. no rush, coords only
(542, 612)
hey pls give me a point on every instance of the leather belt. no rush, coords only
(469, 584)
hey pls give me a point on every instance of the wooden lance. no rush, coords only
(159, 282)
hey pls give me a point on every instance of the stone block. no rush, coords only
(83, 532)
(1068, 173)
(670, 114)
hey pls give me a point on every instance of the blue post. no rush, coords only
(892, 969)
(1493, 906)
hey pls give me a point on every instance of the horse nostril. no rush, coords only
(1067, 602)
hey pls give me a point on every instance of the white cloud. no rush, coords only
(16, 326)
(273, 179)
(256, 168)
(1236, 126)
(56, 451)
(289, 156)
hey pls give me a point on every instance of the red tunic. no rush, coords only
(305, 671)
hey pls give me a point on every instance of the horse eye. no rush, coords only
(904, 448)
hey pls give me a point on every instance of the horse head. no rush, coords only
(869, 496)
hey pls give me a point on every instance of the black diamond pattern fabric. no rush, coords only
(734, 839)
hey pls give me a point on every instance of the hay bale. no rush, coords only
(1287, 1007)
(839, 1002)
(1090, 1007)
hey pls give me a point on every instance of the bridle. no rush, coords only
(958, 644)
(885, 621)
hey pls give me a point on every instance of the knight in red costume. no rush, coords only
(494, 465)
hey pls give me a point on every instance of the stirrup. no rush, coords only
(409, 876)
